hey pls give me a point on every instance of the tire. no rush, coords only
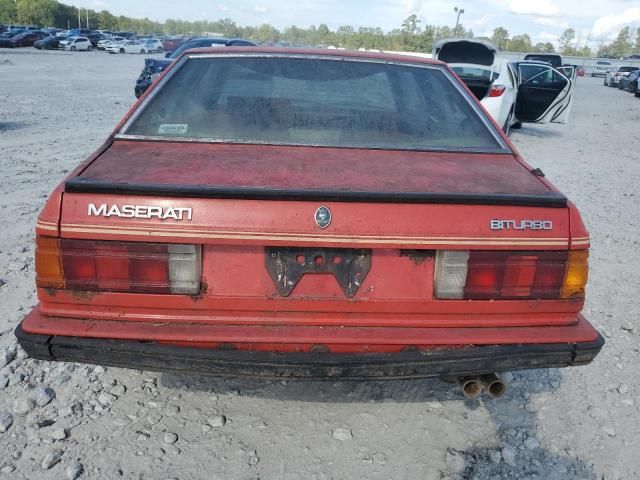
(605, 81)
(637, 93)
(89, 48)
(122, 50)
(516, 126)
(73, 49)
(142, 50)
(160, 50)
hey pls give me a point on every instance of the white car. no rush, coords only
(129, 46)
(613, 76)
(77, 43)
(153, 45)
(512, 93)
(102, 44)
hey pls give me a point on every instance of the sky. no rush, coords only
(595, 21)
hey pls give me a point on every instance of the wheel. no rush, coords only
(516, 125)
(637, 93)
(142, 50)
(122, 50)
(605, 81)
(160, 49)
(89, 48)
(72, 48)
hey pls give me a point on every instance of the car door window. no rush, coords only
(541, 88)
(541, 76)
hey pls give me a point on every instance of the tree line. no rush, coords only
(410, 36)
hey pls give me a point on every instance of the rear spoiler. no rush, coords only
(83, 185)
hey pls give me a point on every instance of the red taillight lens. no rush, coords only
(515, 275)
(497, 90)
(120, 266)
(510, 275)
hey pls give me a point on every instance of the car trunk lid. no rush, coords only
(215, 170)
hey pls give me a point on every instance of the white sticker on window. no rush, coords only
(173, 128)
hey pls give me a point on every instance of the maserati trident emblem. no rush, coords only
(323, 216)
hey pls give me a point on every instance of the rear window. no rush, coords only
(627, 69)
(310, 101)
(554, 60)
(480, 73)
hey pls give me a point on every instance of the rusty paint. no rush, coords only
(82, 295)
(418, 256)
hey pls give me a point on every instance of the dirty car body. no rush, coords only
(270, 212)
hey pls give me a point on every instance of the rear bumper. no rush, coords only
(443, 360)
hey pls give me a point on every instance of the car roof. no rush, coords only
(314, 52)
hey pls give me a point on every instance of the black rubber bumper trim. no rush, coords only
(87, 185)
(468, 360)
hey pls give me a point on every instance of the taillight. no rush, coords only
(487, 275)
(118, 266)
(497, 90)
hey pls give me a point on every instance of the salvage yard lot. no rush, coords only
(55, 108)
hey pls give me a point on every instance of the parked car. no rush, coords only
(629, 82)
(505, 89)
(245, 221)
(171, 43)
(95, 37)
(102, 44)
(24, 39)
(153, 45)
(127, 35)
(78, 43)
(128, 46)
(616, 73)
(155, 66)
(601, 68)
(49, 43)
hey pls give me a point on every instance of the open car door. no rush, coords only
(544, 93)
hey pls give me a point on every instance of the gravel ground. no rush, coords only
(69, 420)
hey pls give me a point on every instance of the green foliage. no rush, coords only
(520, 43)
(566, 42)
(500, 37)
(7, 11)
(546, 47)
(620, 47)
(35, 12)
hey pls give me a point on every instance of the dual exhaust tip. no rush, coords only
(472, 387)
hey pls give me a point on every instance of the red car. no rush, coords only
(270, 212)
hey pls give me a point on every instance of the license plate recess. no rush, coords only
(287, 265)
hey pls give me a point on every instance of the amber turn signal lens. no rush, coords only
(577, 274)
(48, 267)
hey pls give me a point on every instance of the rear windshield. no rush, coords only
(627, 69)
(554, 60)
(319, 102)
(479, 73)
